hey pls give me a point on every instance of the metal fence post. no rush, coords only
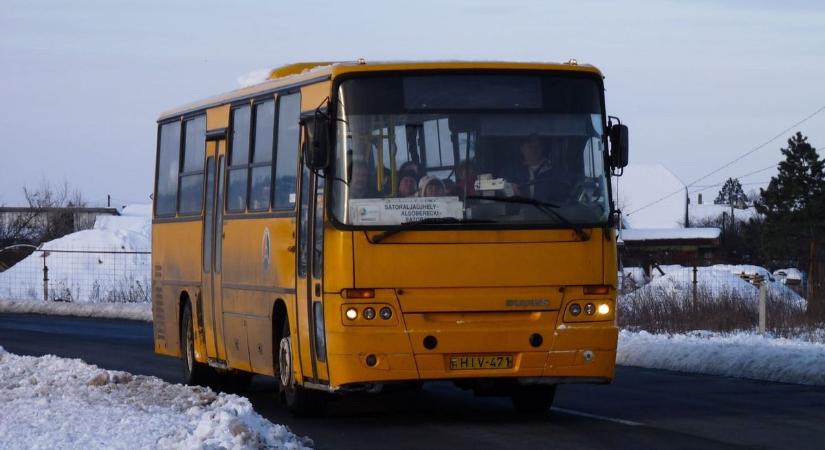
(45, 277)
(763, 297)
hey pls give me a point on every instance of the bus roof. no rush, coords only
(304, 72)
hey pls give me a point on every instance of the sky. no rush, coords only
(699, 83)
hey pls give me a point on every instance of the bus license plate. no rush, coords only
(480, 362)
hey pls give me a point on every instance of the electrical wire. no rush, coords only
(728, 164)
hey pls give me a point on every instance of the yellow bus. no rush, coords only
(342, 226)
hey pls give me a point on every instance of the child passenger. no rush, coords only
(430, 186)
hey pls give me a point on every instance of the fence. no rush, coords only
(720, 297)
(87, 275)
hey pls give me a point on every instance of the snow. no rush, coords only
(254, 77)
(642, 184)
(131, 311)
(714, 281)
(90, 277)
(789, 275)
(647, 234)
(50, 402)
(742, 354)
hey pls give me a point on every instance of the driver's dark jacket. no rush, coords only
(549, 184)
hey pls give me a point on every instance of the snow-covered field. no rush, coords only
(107, 273)
(49, 402)
(714, 282)
(741, 355)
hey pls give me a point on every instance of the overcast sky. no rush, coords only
(699, 83)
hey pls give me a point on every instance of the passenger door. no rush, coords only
(212, 251)
(309, 288)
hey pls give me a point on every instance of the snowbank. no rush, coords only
(51, 402)
(131, 311)
(744, 355)
(104, 264)
(652, 234)
(714, 281)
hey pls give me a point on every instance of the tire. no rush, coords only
(301, 402)
(194, 373)
(533, 400)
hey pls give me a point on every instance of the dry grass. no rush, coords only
(661, 311)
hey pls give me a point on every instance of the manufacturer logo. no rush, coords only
(527, 302)
(265, 249)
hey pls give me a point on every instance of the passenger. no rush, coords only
(407, 184)
(412, 166)
(359, 180)
(465, 179)
(430, 186)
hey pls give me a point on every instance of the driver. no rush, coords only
(536, 177)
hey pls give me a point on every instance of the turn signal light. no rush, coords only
(596, 290)
(359, 293)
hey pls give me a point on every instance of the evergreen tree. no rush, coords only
(793, 206)
(731, 193)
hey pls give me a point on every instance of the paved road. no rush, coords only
(641, 409)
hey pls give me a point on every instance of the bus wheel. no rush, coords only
(194, 373)
(533, 399)
(299, 401)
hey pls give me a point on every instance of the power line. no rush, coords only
(749, 152)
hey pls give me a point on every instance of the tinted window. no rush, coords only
(236, 194)
(191, 193)
(260, 188)
(240, 136)
(289, 110)
(194, 144)
(168, 167)
(264, 131)
(191, 181)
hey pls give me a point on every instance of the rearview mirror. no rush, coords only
(618, 146)
(316, 141)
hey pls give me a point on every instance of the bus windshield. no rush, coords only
(495, 148)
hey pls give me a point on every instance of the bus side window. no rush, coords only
(260, 172)
(286, 166)
(190, 188)
(166, 190)
(238, 160)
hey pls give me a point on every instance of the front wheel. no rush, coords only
(533, 399)
(299, 401)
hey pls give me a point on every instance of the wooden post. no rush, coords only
(763, 298)
(695, 287)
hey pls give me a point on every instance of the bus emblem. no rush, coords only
(527, 302)
(265, 249)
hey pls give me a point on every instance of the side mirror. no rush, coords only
(316, 141)
(618, 146)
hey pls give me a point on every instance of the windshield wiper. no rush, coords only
(416, 223)
(545, 207)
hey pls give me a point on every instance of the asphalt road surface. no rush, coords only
(642, 408)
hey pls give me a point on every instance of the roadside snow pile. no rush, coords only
(51, 402)
(109, 263)
(714, 282)
(743, 355)
(131, 311)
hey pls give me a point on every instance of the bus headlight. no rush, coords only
(386, 313)
(352, 313)
(575, 309)
(369, 313)
(589, 309)
(604, 309)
